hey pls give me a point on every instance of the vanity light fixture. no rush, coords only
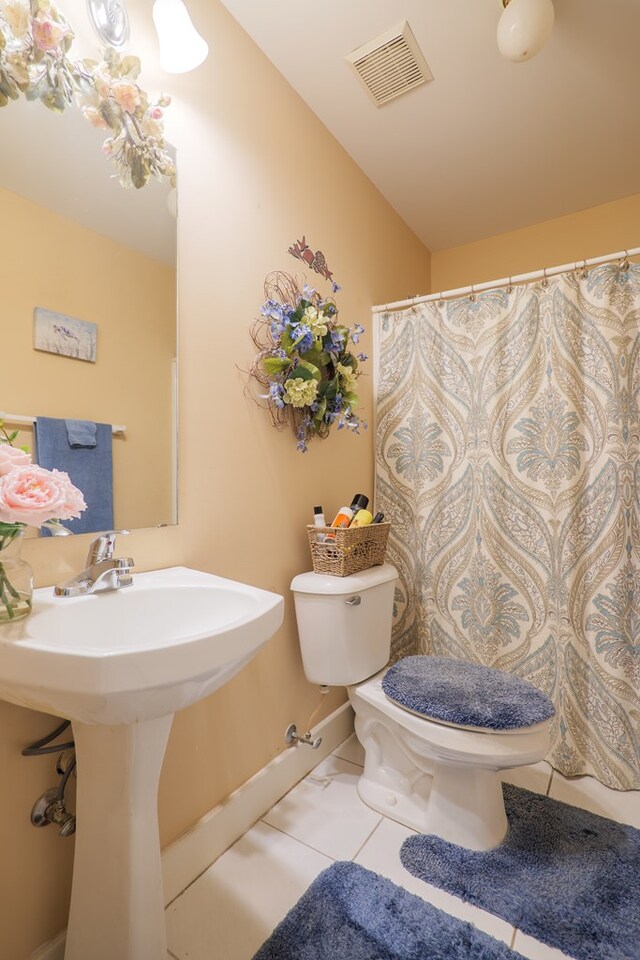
(181, 46)
(524, 28)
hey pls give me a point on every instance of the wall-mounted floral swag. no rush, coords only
(35, 40)
(304, 360)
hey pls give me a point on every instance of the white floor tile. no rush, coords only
(623, 806)
(233, 907)
(325, 811)
(381, 853)
(534, 777)
(534, 950)
(351, 749)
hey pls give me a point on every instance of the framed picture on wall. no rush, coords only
(66, 336)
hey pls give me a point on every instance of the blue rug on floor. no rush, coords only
(349, 913)
(563, 875)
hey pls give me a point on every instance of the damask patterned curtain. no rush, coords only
(508, 441)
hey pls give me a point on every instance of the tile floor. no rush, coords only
(228, 912)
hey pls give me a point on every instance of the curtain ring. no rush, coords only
(440, 300)
(545, 281)
(510, 286)
(584, 273)
(472, 295)
(623, 266)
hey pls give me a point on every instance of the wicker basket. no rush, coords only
(353, 549)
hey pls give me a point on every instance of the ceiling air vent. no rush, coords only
(391, 64)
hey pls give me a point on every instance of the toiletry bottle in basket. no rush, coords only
(345, 514)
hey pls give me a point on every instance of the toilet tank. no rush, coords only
(344, 623)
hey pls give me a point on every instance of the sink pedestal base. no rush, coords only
(117, 903)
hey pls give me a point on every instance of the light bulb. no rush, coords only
(181, 46)
(524, 28)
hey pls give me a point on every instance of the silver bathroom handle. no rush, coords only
(354, 601)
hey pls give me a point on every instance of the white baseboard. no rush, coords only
(51, 950)
(191, 854)
(196, 850)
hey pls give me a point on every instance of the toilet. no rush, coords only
(436, 731)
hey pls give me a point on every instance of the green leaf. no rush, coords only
(317, 356)
(274, 365)
(301, 373)
(322, 409)
(130, 67)
(286, 342)
(313, 370)
(139, 172)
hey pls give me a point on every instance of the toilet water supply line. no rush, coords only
(50, 807)
(291, 734)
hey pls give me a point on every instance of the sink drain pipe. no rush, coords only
(50, 806)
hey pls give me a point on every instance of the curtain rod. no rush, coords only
(507, 281)
(19, 420)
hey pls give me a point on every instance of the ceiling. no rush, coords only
(489, 146)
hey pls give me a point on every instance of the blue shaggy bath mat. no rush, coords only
(349, 913)
(563, 875)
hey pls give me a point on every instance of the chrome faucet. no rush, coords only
(102, 572)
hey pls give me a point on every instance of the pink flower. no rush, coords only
(47, 34)
(33, 495)
(12, 457)
(94, 117)
(74, 502)
(126, 95)
(155, 113)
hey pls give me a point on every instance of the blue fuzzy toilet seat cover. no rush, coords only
(466, 694)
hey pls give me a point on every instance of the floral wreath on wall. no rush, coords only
(304, 359)
(35, 40)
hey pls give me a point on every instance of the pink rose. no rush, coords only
(33, 495)
(47, 35)
(126, 95)
(95, 118)
(155, 113)
(74, 500)
(12, 457)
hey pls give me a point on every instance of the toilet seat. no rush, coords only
(499, 749)
(465, 693)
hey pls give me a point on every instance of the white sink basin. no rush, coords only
(118, 665)
(137, 653)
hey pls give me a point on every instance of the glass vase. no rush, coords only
(16, 576)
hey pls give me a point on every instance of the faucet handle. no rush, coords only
(102, 547)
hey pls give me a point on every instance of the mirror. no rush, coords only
(76, 244)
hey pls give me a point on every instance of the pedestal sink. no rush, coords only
(118, 665)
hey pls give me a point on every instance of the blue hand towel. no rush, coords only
(90, 469)
(81, 433)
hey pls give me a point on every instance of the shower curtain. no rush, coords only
(507, 459)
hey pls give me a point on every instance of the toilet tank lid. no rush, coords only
(322, 583)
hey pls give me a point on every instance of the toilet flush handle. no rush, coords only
(354, 601)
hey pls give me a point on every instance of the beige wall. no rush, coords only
(257, 170)
(49, 261)
(595, 232)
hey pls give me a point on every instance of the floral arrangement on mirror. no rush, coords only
(35, 41)
(29, 496)
(305, 361)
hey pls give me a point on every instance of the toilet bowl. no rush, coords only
(428, 773)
